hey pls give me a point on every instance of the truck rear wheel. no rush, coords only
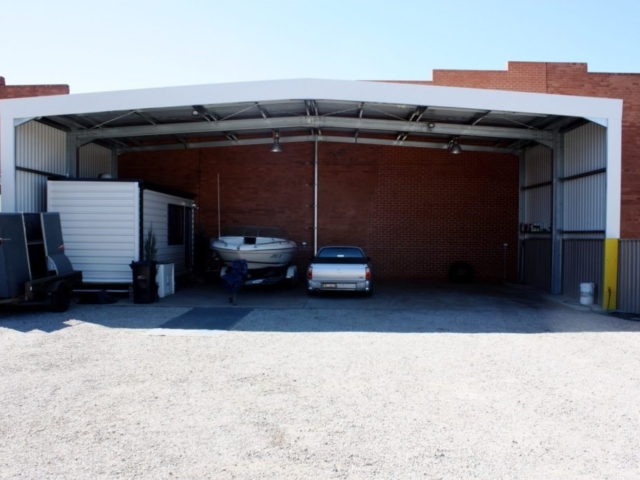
(60, 298)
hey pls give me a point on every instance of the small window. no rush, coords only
(176, 224)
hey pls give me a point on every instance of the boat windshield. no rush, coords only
(248, 231)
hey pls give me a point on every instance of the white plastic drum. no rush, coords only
(586, 293)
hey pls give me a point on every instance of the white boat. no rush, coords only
(261, 247)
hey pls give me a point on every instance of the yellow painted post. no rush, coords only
(610, 276)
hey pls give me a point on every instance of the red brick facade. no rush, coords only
(19, 91)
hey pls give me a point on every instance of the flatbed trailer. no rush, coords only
(33, 266)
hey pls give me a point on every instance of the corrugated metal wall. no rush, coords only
(585, 149)
(582, 262)
(585, 197)
(629, 276)
(100, 225)
(95, 160)
(156, 214)
(537, 262)
(584, 210)
(43, 149)
(536, 247)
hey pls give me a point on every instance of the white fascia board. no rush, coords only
(306, 89)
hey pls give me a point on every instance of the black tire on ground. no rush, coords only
(60, 299)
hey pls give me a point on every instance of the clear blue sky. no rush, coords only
(124, 44)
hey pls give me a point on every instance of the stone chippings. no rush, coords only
(320, 393)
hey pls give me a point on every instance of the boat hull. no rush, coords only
(257, 256)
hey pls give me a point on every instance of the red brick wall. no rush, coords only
(414, 210)
(18, 91)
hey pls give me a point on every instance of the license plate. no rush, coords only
(329, 285)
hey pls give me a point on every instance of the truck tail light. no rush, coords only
(310, 273)
(367, 274)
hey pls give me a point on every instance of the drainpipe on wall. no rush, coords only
(315, 197)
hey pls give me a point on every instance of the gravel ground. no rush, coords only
(499, 393)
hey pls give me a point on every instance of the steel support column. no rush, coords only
(315, 197)
(72, 155)
(521, 214)
(558, 215)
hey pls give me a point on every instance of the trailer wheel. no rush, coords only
(61, 298)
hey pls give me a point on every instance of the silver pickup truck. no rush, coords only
(340, 268)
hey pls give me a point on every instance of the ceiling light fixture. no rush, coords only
(195, 112)
(454, 146)
(275, 147)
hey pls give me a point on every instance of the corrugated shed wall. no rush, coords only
(100, 226)
(156, 215)
(538, 165)
(538, 170)
(629, 276)
(537, 262)
(95, 160)
(41, 148)
(585, 197)
(585, 149)
(582, 263)
(536, 247)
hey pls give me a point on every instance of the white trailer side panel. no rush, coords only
(100, 225)
(155, 215)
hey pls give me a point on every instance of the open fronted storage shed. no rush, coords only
(523, 186)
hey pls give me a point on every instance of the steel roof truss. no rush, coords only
(318, 123)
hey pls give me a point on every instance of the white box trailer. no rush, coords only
(105, 222)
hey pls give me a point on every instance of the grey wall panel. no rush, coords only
(629, 276)
(585, 149)
(31, 191)
(537, 262)
(538, 206)
(95, 160)
(585, 203)
(582, 263)
(538, 165)
(40, 147)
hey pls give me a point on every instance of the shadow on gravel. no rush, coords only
(394, 308)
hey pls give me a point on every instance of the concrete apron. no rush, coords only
(387, 295)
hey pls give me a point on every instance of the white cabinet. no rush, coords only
(165, 279)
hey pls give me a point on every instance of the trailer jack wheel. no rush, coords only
(60, 298)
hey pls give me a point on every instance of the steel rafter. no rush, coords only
(402, 126)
